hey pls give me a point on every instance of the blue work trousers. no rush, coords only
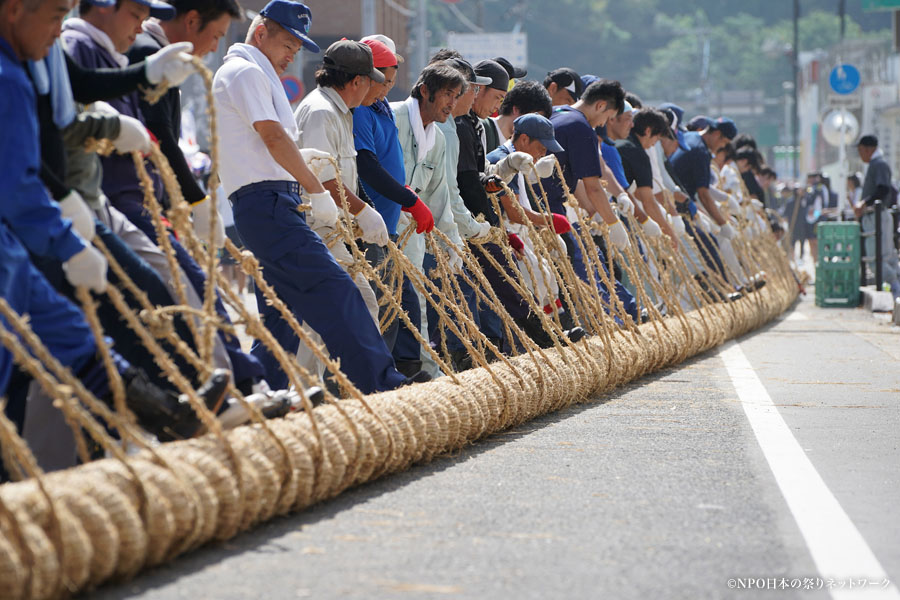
(580, 268)
(709, 249)
(408, 348)
(317, 290)
(58, 323)
(246, 367)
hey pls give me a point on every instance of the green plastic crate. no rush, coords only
(837, 285)
(838, 265)
(839, 244)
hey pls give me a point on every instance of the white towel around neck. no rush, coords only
(425, 136)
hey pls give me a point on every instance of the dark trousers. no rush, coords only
(709, 250)
(246, 367)
(58, 323)
(578, 264)
(317, 290)
(402, 344)
(434, 325)
(127, 343)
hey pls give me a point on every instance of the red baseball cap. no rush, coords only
(381, 54)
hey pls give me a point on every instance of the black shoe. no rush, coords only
(283, 404)
(498, 344)
(734, 296)
(420, 377)
(408, 367)
(645, 315)
(533, 328)
(460, 359)
(575, 334)
(757, 282)
(567, 320)
(166, 415)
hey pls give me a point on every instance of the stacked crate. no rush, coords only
(838, 265)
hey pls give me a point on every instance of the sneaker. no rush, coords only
(420, 377)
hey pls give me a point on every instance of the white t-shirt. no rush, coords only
(243, 96)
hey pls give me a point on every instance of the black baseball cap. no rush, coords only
(465, 67)
(354, 58)
(569, 79)
(499, 76)
(514, 72)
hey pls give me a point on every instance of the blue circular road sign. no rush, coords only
(844, 79)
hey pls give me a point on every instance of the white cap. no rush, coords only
(628, 108)
(386, 41)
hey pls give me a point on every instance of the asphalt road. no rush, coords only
(660, 490)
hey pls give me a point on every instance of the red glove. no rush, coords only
(516, 242)
(561, 224)
(493, 185)
(422, 215)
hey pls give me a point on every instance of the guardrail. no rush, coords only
(877, 208)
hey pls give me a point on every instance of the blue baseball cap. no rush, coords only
(587, 80)
(700, 122)
(726, 127)
(294, 17)
(539, 128)
(161, 10)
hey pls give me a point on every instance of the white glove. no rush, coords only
(545, 166)
(652, 228)
(454, 261)
(484, 230)
(703, 222)
(102, 107)
(324, 209)
(316, 160)
(727, 231)
(74, 208)
(201, 216)
(172, 63)
(734, 206)
(626, 206)
(618, 235)
(757, 204)
(677, 224)
(87, 268)
(511, 165)
(374, 231)
(133, 136)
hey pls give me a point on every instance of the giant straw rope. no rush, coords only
(72, 530)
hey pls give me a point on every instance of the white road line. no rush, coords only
(837, 547)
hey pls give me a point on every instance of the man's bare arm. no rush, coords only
(599, 200)
(285, 152)
(353, 200)
(645, 195)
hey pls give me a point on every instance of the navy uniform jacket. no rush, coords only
(25, 206)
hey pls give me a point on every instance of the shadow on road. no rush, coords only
(264, 537)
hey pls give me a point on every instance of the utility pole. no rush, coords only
(796, 120)
(842, 13)
(369, 24)
(421, 37)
